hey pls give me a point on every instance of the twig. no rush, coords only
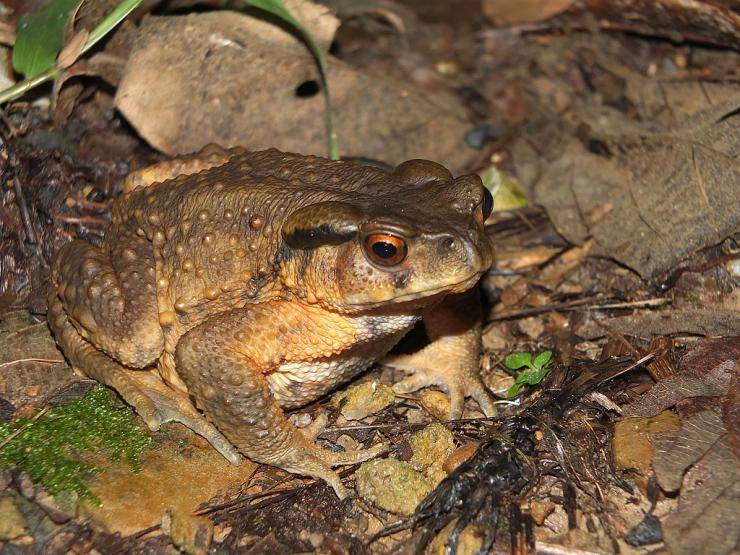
(82, 220)
(632, 366)
(20, 199)
(572, 305)
(18, 361)
(23, 428)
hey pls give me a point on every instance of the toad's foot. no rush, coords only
(158, 404)
(445, 370)
(450, 361)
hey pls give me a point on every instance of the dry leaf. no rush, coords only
(680, 20)
(676, 451)
(672, 191)
(230, 79)
(72, 50)
(706, 371)
(710, 322)
(31, 367)
(517, 12)
(707, 520)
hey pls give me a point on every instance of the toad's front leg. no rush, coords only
(450, 361)
(223, 363)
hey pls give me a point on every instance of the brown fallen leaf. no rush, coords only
(680, 20)
(32, 369)
(706, 371)
(516, 12)
(230, 79)
(699, 459)
(700, 321)
(707, 520)
(676, 451)
(643, 164)
(71, 52)
(672, 191)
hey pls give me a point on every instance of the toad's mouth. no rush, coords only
(446, 289)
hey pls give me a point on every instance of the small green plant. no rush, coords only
(48, 446)
(534, 370)
(38, 49)
(39, 40)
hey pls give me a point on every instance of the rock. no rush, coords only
(469, 542)
(436, 403)
(431, 447)
(392, 485)
(172, 478)
(59, 508)
(12, 523)
(459, 456)
(631, 444)
(361, 400)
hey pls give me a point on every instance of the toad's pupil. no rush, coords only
(487, 203)
(384, 250)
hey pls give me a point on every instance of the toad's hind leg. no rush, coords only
(221, 362)
(80, 323)
(110, 297)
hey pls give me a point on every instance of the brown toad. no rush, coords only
(253, 282)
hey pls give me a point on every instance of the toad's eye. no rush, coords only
(487, 203)
(385, 249)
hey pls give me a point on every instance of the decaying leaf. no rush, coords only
(706, 371)
(668, 191)
(71, 52)
(676, 451)
(707, 520)
(513, 12)
(699, 459)
(696, 20)
(31, 367)
(700, 321)
(231, 79)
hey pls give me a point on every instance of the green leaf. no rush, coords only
(278, 9)
(543, 359)
(39, 38)
(513, 391)
(532, 376)
(507, 192)
(517, 360)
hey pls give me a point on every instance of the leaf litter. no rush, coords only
(601, 130)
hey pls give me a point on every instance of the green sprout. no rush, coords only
(534, 370)
(48, 446)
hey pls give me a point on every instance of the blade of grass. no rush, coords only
(278, 9)
(101, 30)
(118, 14)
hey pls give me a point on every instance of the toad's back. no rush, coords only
(215, 235)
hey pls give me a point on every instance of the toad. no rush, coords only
(233, 285)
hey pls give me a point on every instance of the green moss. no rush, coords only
(49, 448)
